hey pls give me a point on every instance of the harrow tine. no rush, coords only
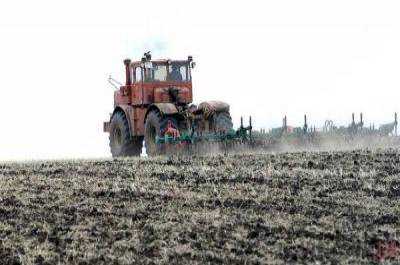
(361, 119)
(250, 127)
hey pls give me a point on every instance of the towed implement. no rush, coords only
(356, 134)
(195, 141)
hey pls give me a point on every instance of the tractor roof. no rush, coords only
(161, 61)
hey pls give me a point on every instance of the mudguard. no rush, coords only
(166, 108)
(163, 108)
(213, 106)
(127, 110)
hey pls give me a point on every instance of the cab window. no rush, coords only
(178, 73)
(175, 72)
(160, 73)
(148, 75)
(138, 74)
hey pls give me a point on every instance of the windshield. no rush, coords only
(174, 72)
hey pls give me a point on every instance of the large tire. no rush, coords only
(221, 122)
(154, 126)
(121, 142)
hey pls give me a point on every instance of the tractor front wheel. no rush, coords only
(121, 142)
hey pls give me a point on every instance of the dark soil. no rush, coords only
(326, 208)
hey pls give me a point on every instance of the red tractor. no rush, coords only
(155, 101)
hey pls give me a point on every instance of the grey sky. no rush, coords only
(266, 58)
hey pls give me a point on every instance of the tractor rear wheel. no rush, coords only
(221, 121)
(121, 142)
(154, 127)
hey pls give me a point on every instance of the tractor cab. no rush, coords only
(163, 71)
(160, 81)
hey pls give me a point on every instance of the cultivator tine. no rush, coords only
(250, 127)
(305, 124)
(284, 127)
(361, 119)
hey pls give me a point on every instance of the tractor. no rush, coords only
(156, 101)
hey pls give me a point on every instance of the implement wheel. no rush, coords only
(155, 125)
(121, 142)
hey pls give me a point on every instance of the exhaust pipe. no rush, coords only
(127, 63)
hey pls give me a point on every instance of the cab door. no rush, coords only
(137, 89)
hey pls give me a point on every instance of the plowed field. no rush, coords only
(326, 207)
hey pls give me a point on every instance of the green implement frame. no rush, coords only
(242, 134)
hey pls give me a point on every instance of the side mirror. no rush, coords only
(147, 56)
(192, 64)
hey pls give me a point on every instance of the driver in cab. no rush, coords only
(175, 74)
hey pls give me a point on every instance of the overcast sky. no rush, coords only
(265, 58)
